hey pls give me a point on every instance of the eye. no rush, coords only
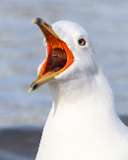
(82, 42)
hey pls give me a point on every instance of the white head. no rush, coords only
(77, 40)
(69, 54)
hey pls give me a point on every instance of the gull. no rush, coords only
(82, 123)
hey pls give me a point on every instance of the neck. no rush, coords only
(93, 97)
(75, 90)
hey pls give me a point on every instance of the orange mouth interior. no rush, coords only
(58, 59)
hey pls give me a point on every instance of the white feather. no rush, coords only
(82, 123)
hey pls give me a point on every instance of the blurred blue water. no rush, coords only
(21, 51)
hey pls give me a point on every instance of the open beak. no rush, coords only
(59, 56)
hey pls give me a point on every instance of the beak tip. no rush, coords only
(33, 87)
(37, 21)
(30, 89)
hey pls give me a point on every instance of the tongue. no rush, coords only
(56, 60)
